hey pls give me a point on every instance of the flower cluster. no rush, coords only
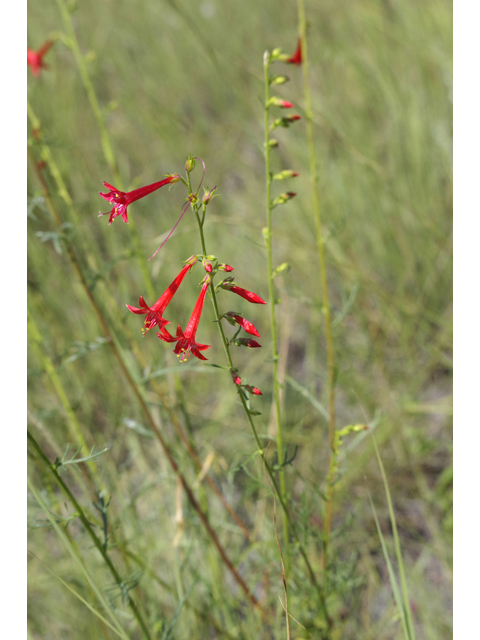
(185, 340)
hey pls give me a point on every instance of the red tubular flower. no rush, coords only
(245, 324)
(243, 293)
(297, 56)
(35, 58)
(155, 312)
(186, 341)
(121, 200)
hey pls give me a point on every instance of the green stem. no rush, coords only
(47, 364)
(91, 533)
(261, 450)
(271, 293)
(322, 261)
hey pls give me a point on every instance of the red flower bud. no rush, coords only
(235, 377)
(278, 102)
(243, 293)
(254, 390)
(225, 267)
(246, 342)
(245, 324)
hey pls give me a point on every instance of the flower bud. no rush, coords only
(279, 79)
(254, 390)
(189, 165)
(286, 121)
(273, 143)
(287, 173)
(192, 260)
(278, 102)
(278, 55)
(174, 177)
(246, 342)
(207, 265)
(235, 377)
(208, 195)
(211, 257)
(237, 319)
(282, 198)
(224, 267)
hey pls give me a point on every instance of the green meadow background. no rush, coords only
(174, 78)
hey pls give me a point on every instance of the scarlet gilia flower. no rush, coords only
(121, 200)
(35, 58)
(254, 390)
(186, 341)
(248, 326)
(243, 293)
(154, 314)
(297, 56)
(225, 267)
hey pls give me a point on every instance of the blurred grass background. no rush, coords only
(186, 77)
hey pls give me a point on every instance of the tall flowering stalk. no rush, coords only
(186, 343)
(272, 102)
(303, 59)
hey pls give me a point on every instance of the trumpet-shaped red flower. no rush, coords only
(245, 324)
(243, 293)
(35, 58)
(297, 56)
(121, 200)
(186, 341)
(154, 314)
